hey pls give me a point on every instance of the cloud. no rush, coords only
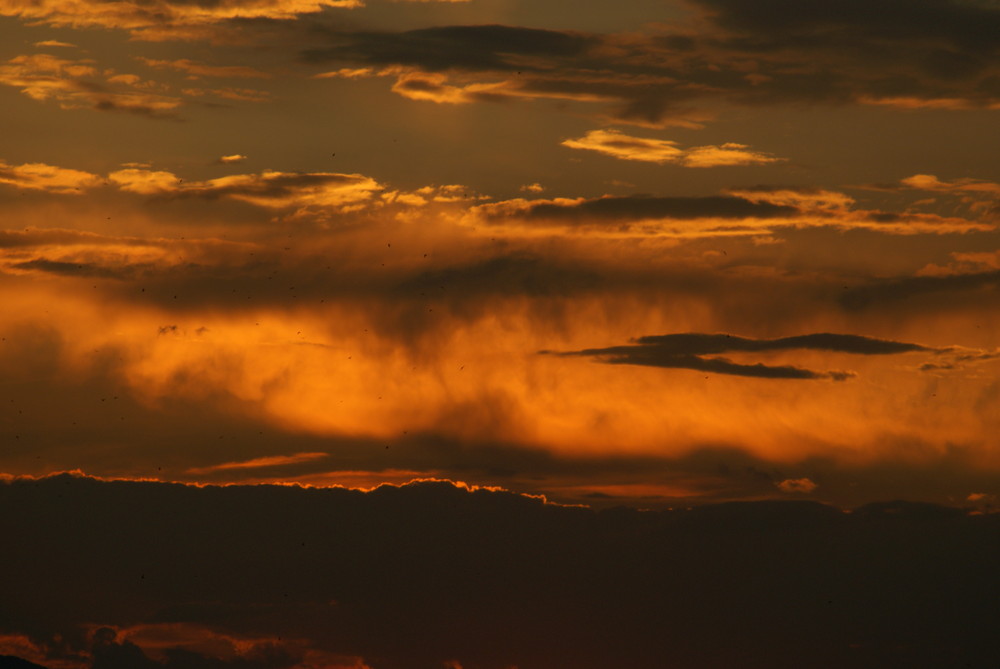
(687, 351)
(595, 589)
(881, 293)
(626, 147)
(195, 69)
(270, 189)
(432, 87)
(964, 263)
(720, 343)
(803, 485)
(960, 24)
(728, 154)
(678, 74)
(74, 85)
(160, 19)
(932, 183)
(437, 49)
(347, 73)
(49, 178)
(803, 199)
(229, 93)
(233, 158)
(631, 209)
(749, 211)
(404, 317)
(54, 43)
(258, 463)
(71, 268)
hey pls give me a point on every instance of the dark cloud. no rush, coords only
(963, 24)
(271, 186)
(700, 344)
(129, 107)
(390, 577)
(685, 351)
(12, 662)
(74, 269)
(893, 52)
(653, 358)
(974, 286)
(631, 210)
(638, 207)
(477, 48)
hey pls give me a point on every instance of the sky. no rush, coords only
(652, 254)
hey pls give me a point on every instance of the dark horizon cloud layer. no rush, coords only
(268, 576)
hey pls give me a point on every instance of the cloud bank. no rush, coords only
(188, 577)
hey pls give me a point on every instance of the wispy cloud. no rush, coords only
(195, 69)
(626, 147)
(55, 43)
(76, 84)
(258, 463)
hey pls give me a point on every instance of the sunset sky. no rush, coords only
(649, 253)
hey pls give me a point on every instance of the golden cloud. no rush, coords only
(929, 182)
(39, 176)
(802, 485)
(259, 463)
(270, 188)
(163, 18)
(71, 84)
(55, 43)
(626, 147)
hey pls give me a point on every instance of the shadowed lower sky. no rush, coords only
(654, 255)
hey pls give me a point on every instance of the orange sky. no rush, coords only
(337, 242)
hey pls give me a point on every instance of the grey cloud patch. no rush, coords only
(686, 351)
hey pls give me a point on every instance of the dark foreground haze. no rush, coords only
(143, 575)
